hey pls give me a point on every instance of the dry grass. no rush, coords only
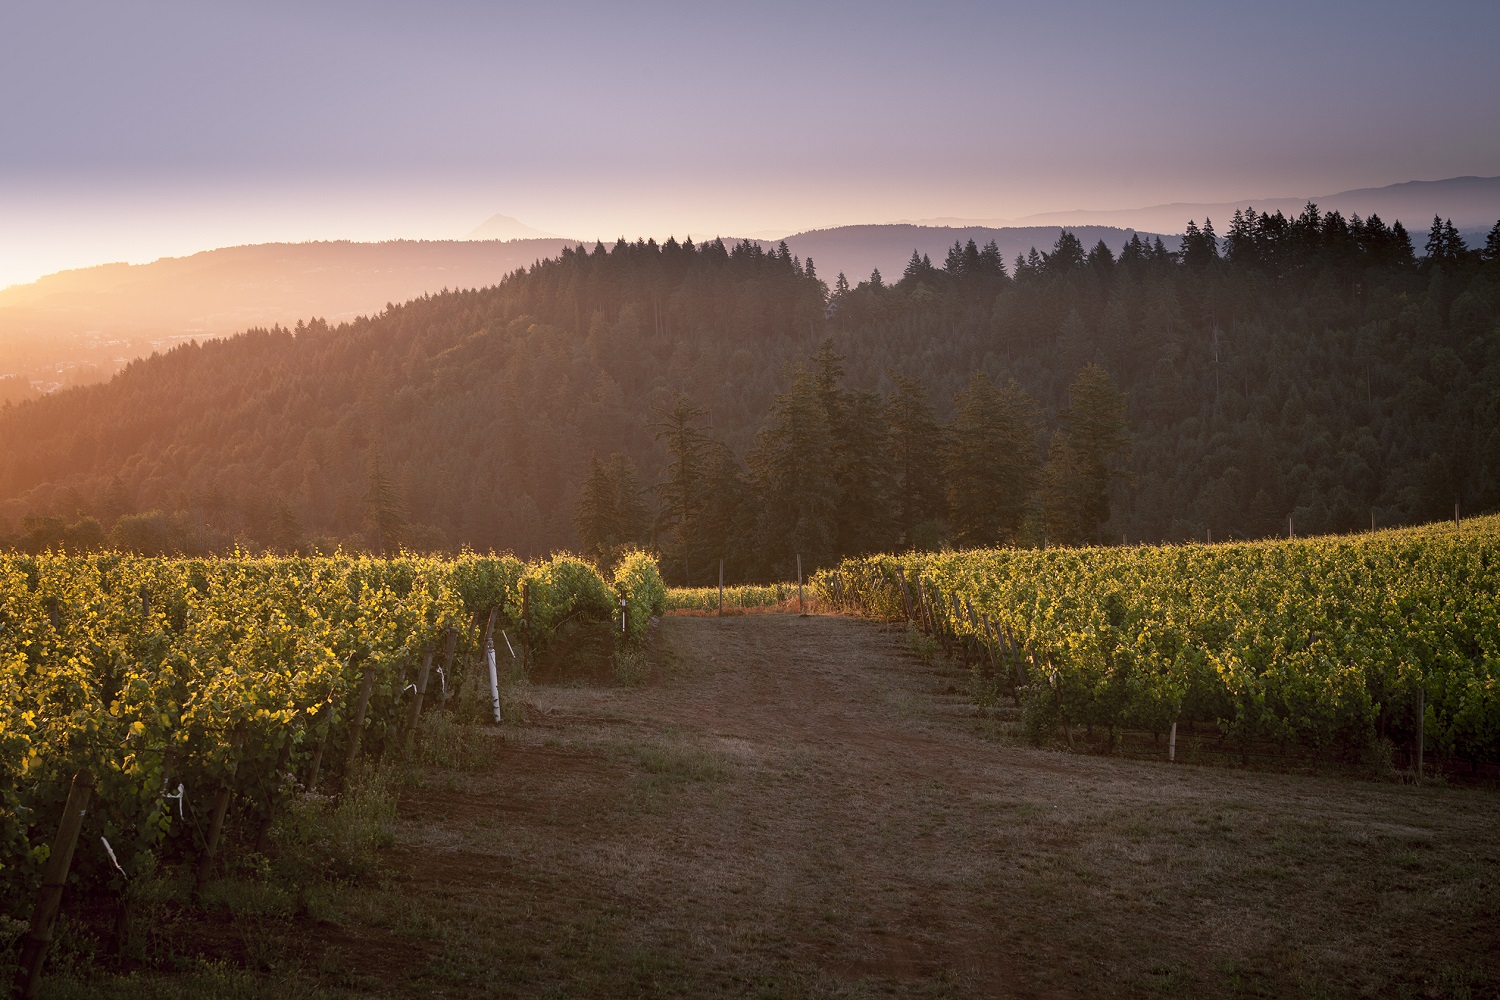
(801, 807)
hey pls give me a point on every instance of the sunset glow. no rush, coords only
(150, 138)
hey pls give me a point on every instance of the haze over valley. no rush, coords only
(81, 326)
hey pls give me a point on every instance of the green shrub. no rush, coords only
(637, 578)
(1040, 714)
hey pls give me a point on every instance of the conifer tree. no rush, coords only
(1401, 253)
(1433, 249)
(1102, 259)
(680, 495)
(856, 421)
(862, 471)
(917, 447)
(1454, 247)
(611, 516)
(991, 463)
(1067, 255)
(954, 263)
(385, 508)
(913, 272)
(727, 522)
(1082, 461)
(991, 260)
(1491, 253)
(286, 528)
(792, 462)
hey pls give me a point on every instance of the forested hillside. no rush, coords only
(1311, 367)
(81, 326)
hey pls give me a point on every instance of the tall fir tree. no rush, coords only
(611, 515)
(1083, 461)
(792, 463)
(991, 463)
(680, 496)
(1490, 254)
(385, 507)
(917, 447)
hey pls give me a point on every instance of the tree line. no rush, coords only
(1314, 367)
(837, 471)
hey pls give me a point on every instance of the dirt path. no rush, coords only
(797, 806)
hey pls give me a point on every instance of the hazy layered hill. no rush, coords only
(1473, 203)
(81, 326)
(100, 316)
(1305, 368)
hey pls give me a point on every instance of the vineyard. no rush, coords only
(187, 697)
(739, 597)
(1340, 644)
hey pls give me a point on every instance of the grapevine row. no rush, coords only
(169, 680)
(1333, 642)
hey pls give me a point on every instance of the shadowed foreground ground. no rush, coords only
(798, 807)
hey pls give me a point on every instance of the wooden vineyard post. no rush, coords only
(958, 617)
(54, 878)
(263, 835)
(423, 672)
(721, 588)
(489, 626)
(357, 725)
(1421, 725)
(484, 657)
(800, 608)
(993, 645)
(525, 625)
(1172, 743)
(317, 757)
(216, 818)
(447, 668)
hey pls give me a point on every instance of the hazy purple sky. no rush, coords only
(132, 130)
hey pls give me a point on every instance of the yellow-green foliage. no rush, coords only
(767, 595)
(638, 579)
(485, 582)
(117, 663)
(1324, 641)
(560, 588)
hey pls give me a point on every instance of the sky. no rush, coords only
(154, 128)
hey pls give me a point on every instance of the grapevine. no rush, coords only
(160, 675)
(1326, 642)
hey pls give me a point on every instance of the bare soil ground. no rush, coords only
(799, 807)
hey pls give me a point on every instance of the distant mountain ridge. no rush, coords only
(86, 322)
(1471, 202)
(82, 325)
(503, 227)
